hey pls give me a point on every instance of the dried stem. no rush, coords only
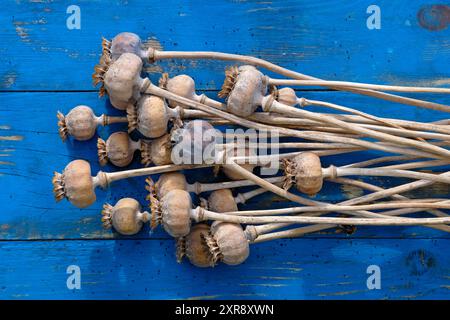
(353, 85)
(155, 55)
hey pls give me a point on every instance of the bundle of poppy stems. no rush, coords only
(180, 130)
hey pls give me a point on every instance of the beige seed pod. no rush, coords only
(158, 151)
(286, 96)
(153, 116)
(235, 152)
(306, 169)
(124, 42)
(170, 181)
(80, 122)
(222, 201)
(126, 216)
(227, 242)
(118, 149)
(244, 88)
(182, 85)
(120, 78)
(193, 247)
(75, 183)
(176, 206)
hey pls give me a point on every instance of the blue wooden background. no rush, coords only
(45, 67)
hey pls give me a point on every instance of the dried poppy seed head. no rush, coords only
(244, 88)
(152, 116)
(157, 151)
(176, 207)
(193, 247)
(126, 216)
(122, 80)
(307, 170)
(226, 242)
(75, 183)
(222, 201)
(80, 123)
(286, 96)
(118, 149)
(125, 42)
(235, 152)
(170, 181)
(182, 85)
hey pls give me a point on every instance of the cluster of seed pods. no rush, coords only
(215, 230)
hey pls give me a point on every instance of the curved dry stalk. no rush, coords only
(354, 85)
(269, 104)
(155, 55)
(333, 172)
(200, 214)
(126, 70)
(417, 203)
(437, 126)
(317, 136)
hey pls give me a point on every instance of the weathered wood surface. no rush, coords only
(44, 67)
(299, 268)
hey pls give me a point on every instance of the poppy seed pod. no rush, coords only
(170, 181)
(286, 96)
(176, 206)
(243, 88)
(222, 201)
(150, 117)
(193, 248)
(227, 242)
(75, 183)
(126, 216)
(122, 43)
(306, 169)
(121, 80)
(182, 85)
(118, 149)
(80, 122)
(157, 151)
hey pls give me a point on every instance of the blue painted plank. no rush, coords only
(327, 39)
(289, 269)
(34, 151)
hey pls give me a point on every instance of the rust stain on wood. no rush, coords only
(434, 17)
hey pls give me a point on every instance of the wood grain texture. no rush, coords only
(300, 269)
(44, 67)
(327, 39)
